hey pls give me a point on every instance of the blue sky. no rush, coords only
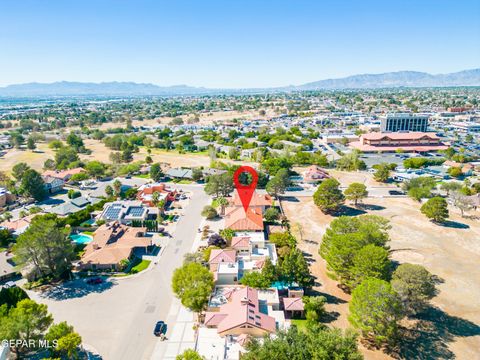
(242, 43)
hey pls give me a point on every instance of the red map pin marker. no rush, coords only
(245, 192)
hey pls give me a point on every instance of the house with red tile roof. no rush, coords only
(64, 175)
(263, 201)
(112, 243)
(218, 256)
(241, 314)
(237, 219)
(294, 306)
(314, 174)
(145, 193)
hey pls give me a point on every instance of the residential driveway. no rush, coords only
(117, 318)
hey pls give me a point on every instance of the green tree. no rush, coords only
(375, 310)
(382, 173)
(5, 237)
(117, 187)
(27, 321)
(109, 191)
(55, 144)
(209, 212)
(11, 296)
(345, 237)
(222, 202)
(156, 173)
(294, 269)
(283, 239)
(44, 249)
(314, 343)
(415, 286)
(65, 156)
(192, 284)
(455, 171)
(57, 331)
(436, 209)
(351, 162)
(32, 185)
(18, 170)
(197, 174)
(314, 307)
(329, 197)
(189, 354)
(419, 187)
(49, 164)
(31, 144)
(75, 142)
(219, 185)
(371, 261)
(69, 344)
(233, 153)
(279, 183)
(271, 214)
(356, 192)
(95, 169)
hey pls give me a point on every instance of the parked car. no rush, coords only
(160, 328)
(9, 284)
(94, 281)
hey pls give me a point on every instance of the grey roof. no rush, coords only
(180, 173)
(210, 171)
(80, 201)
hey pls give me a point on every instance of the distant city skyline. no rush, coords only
(220, 44)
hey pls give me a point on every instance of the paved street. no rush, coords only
(117, 318)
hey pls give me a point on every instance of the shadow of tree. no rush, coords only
(76, 289)
(331, 299)
(351, 211)
(455, 225)
(371, 207)
(430, 337)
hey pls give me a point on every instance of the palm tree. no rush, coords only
(117, 186)
(155, 198)
(222, 202)
(109, 191)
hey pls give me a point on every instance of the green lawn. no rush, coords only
(88, 233)
(183, 181)
(142, 176)
(142, 265)
(301, 324)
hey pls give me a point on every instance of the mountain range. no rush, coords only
(362, 81)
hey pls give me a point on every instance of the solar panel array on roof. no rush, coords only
(113, 212)
(136, 211)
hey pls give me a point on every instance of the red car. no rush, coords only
(95, 281)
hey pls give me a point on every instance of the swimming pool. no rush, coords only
(81, 238)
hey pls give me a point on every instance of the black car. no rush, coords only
(160, 328)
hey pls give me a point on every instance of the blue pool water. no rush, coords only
(280, 285)
(81, 238)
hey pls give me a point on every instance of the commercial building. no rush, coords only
(404, 122)
(404, 141)
(466, 127)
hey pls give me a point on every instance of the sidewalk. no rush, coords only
(180, 338)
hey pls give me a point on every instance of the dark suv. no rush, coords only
(160, 328)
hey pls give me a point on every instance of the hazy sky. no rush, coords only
(233, 43)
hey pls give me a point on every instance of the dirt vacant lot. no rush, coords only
(451, 328)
